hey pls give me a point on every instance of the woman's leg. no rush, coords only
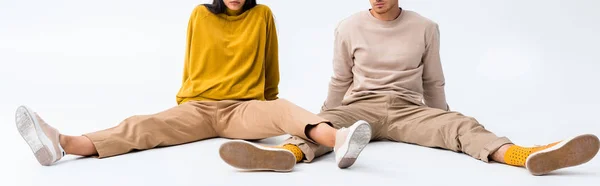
(77, 145)
(263, 119)
(185, 123)
(323, 134)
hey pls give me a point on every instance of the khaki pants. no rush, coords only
(198, 120)
(396, 119)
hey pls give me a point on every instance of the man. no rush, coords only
(389, 59)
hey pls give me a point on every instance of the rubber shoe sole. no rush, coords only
(568, 153)
(32, 133)
(248, 156)
(358, 137)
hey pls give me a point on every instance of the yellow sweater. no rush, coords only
(230, 56)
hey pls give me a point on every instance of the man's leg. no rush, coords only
(263, 119)
(540, 160)
(185, 123)
(453, 131)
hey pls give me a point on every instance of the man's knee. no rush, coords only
(468, 124)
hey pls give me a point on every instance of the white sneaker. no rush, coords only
(350, 142)
(41, 137)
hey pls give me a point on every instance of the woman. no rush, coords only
(229, 90)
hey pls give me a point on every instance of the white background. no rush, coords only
(525, 69)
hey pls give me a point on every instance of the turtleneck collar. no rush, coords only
(231, 12)
(233, 15)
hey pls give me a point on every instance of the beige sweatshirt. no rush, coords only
(399, 57)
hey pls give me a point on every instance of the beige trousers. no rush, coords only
(198, 120)
(396, 119)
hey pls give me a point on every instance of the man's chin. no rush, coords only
(381, 11)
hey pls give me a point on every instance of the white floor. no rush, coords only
(527, 70)
(382, 163)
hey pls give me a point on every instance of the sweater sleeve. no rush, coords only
(433, 76)
(342, 76)
(186, 60)
(271, 61)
